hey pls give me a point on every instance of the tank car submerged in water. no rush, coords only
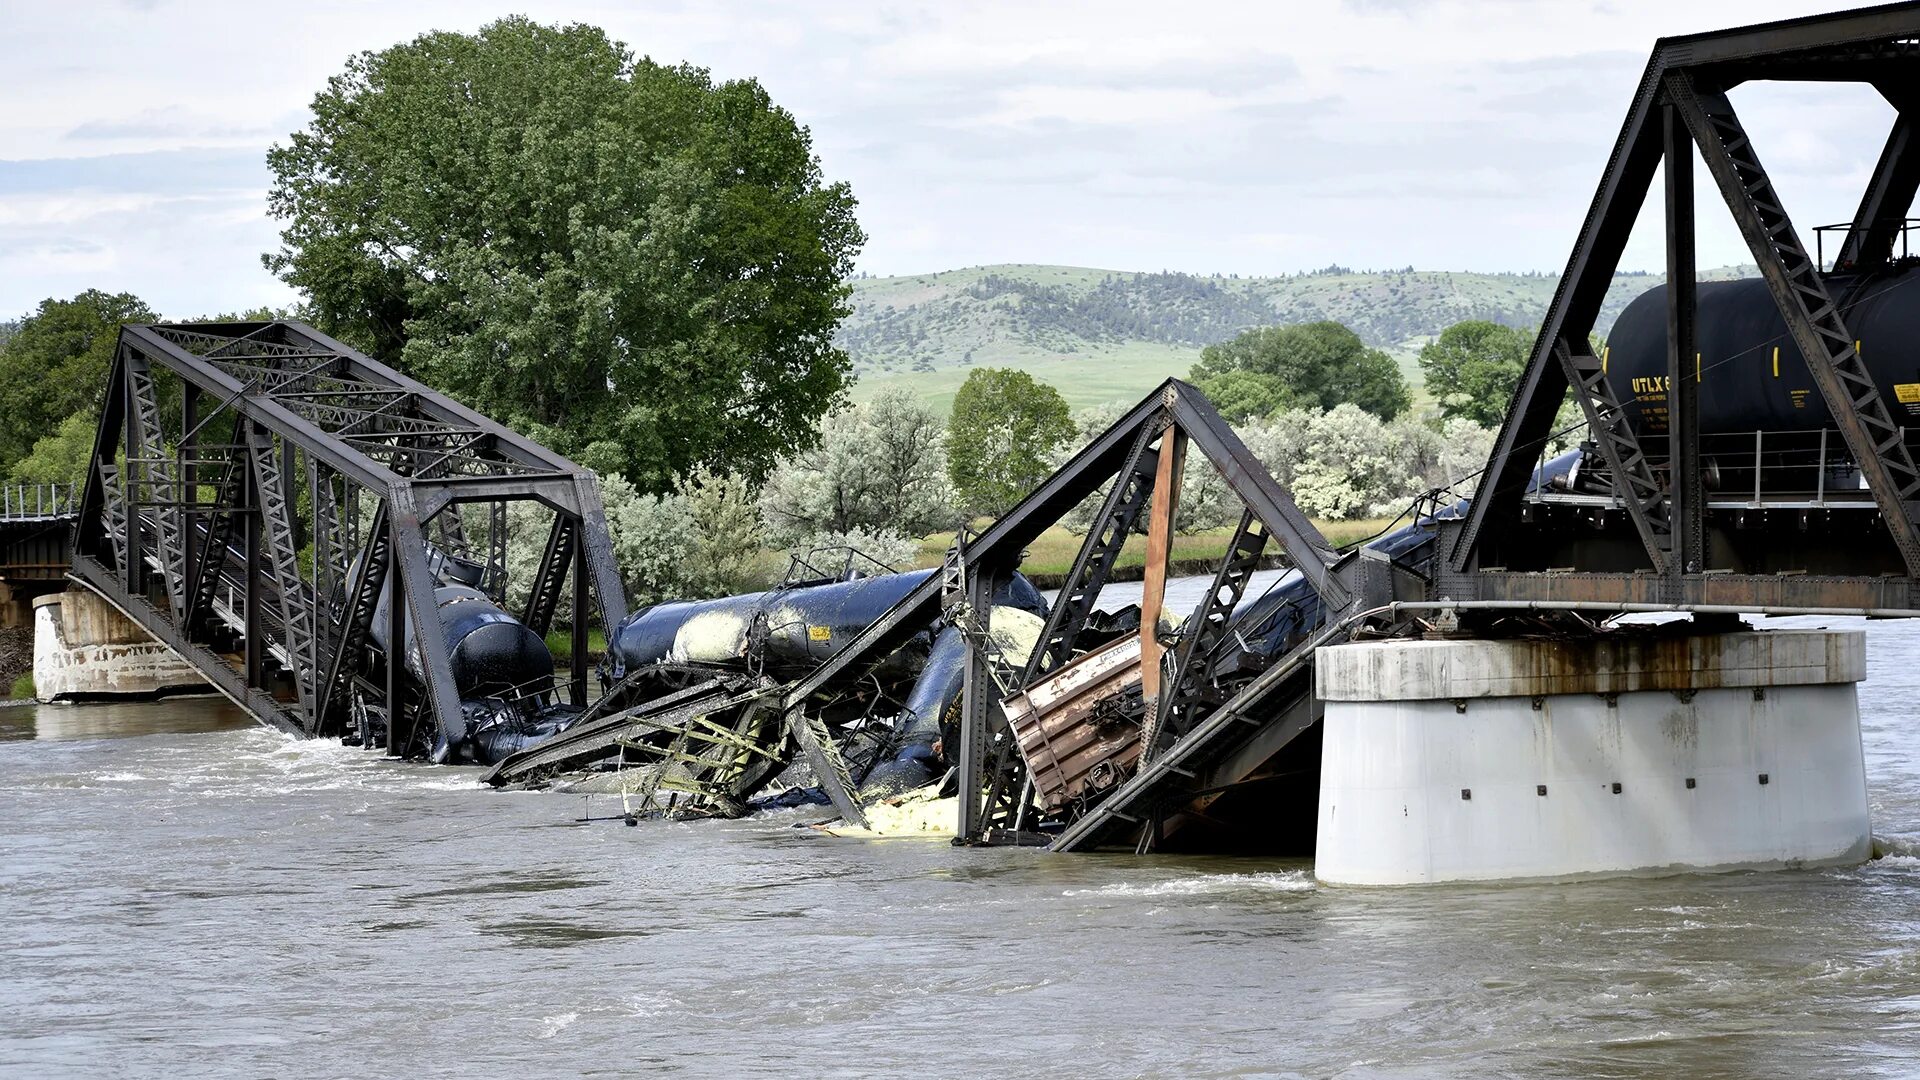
(784, 633)
(502, 671)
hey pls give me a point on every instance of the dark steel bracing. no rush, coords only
(1681, 108)
(996, 804)
(256, 489)
(1193, 682)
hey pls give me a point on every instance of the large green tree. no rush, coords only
(1306, 366)
(1002, 436)
(631, 262)
(54, 368)
(1471, 369)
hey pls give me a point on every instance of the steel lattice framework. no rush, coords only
(1211, 732)
(1680, 108)
(257, 488)
(1643, 546)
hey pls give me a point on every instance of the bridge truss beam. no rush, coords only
(256, 489)
(1679, 109)
(1216, 734)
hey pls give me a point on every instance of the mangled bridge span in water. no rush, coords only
(1065, 723)
(1062, 725)
(324, 539)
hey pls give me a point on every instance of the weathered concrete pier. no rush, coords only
(1477, 760)
(85, 650)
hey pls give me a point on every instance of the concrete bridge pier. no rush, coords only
(1469, 760)
(83, 649)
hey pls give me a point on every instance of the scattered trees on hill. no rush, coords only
(1001, 438)
(53, 371)
(1315, 365)
(1471, 369)
(629, 262)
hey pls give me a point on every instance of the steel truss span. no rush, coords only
(1635, 520)
(259, 493)
(1662, 533)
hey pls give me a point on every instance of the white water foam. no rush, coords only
(1207, 885)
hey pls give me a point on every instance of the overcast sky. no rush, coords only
(1255, 138)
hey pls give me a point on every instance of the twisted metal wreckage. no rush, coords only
(1742, 456)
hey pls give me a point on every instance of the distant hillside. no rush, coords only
(1104, 335)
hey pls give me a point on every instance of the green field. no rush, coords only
(1106, 335)
(1123, 373)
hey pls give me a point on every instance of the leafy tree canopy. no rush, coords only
(1002, 436)
(1316, 365)
(54, 367)
(1471, 369)
(879, 467)
(630, 262)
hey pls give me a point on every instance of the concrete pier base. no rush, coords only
(1488, 760)
(85, 650)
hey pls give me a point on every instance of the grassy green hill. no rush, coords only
(1106, 335)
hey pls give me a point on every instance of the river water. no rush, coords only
(184, 893)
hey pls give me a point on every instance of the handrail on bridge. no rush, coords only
(28, 502)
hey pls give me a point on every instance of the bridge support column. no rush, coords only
(85, 650)
(1618, 755)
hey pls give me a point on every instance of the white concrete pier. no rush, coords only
(84, 649)
(1486, 760)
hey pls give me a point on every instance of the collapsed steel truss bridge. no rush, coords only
(1656, 540)
(256, 489)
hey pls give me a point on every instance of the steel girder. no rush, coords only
(1681, 104)
(1121, 461)
(198, 530)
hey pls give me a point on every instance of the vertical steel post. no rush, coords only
(580, 620)
(256, 652)
(135, 571)
(1820, 480)
(1153, 588)
(189, 489)
(1687, 510)
(976, 703)
(398, 738)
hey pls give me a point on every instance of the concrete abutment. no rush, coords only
(1471, 760)
(83, 650)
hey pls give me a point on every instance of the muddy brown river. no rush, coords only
(182, 893)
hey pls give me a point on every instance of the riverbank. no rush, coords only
(16, 662)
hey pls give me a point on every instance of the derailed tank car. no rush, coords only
(502, 672)
(727, 657)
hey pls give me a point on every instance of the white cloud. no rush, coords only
(1129, 134)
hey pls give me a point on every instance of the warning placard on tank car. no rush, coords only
(819, 633)
(1907, 393)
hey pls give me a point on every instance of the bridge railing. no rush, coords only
(33, 501)
(1810, 468)
(1759, 468)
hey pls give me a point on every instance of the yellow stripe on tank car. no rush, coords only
(1776, 361)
